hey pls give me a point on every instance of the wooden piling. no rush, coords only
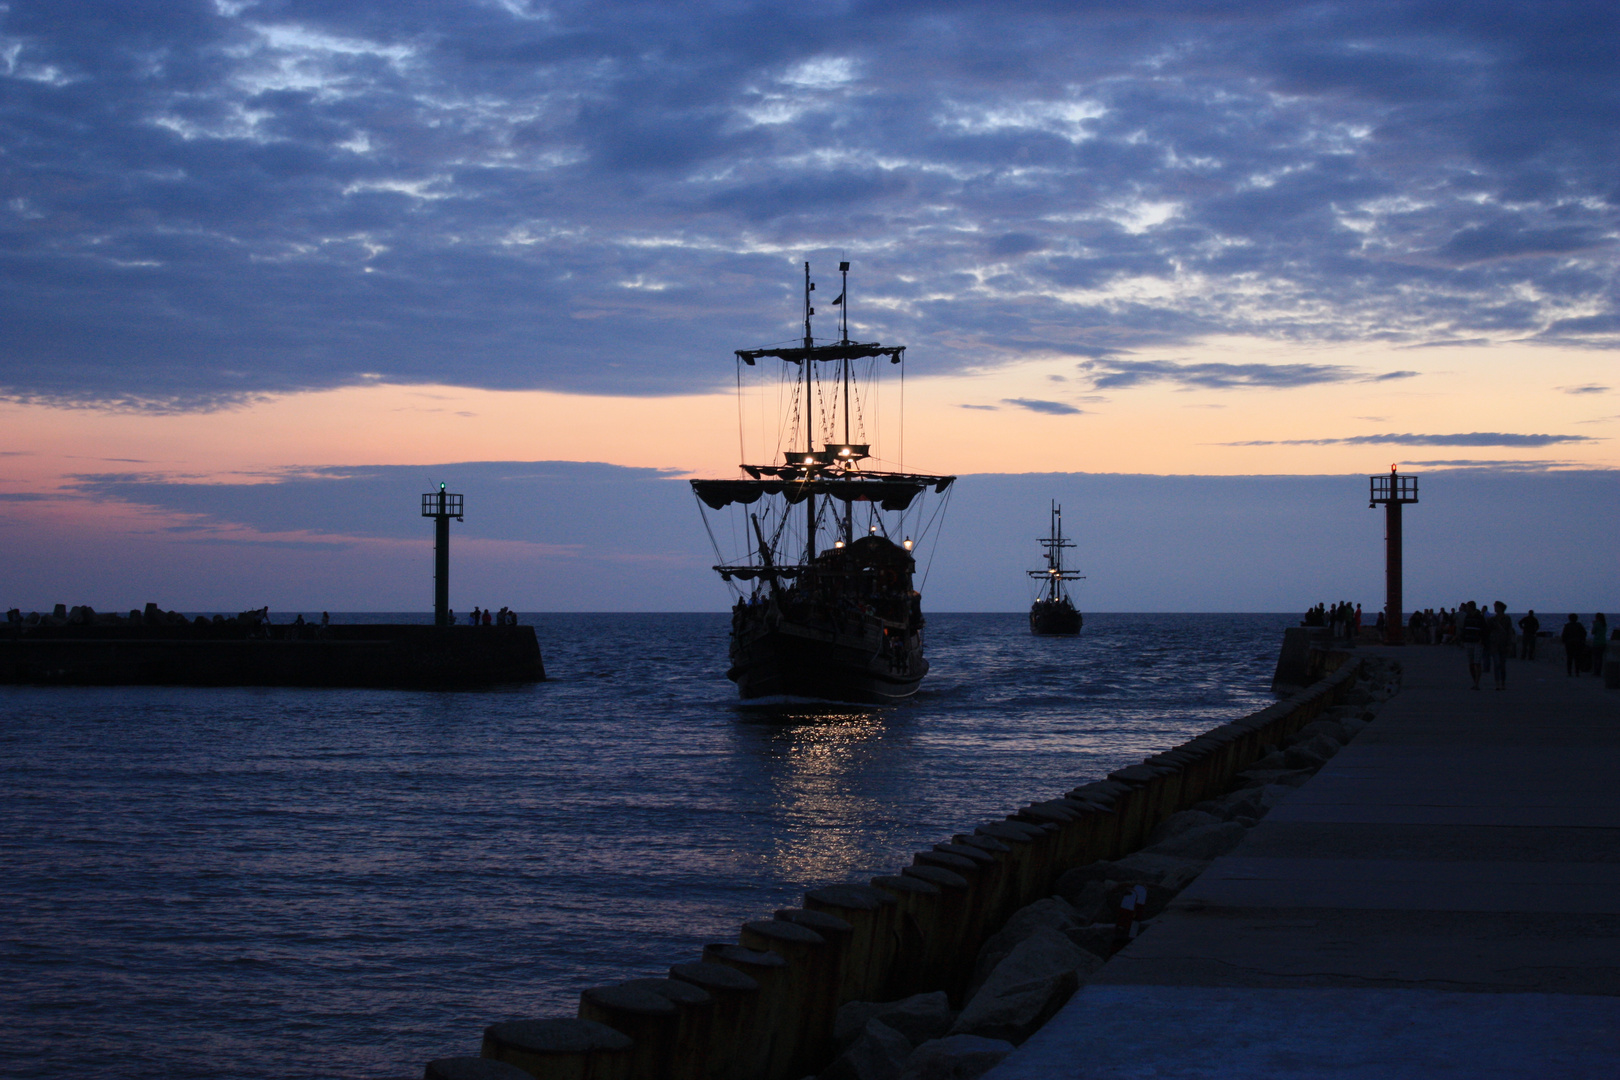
(736, 1003)
(650, 1020)
(560, 1049)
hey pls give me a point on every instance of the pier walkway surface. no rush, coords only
(1441, 900)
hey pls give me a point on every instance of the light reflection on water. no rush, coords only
(272, 882)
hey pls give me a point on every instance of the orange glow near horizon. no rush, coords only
(955, 423)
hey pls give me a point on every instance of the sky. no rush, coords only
(271, 269)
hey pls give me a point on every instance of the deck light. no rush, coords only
(908, 543)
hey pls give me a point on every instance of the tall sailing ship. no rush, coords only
(827, 605)
(1053, 612)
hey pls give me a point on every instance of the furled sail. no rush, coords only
(890, 493)
(847, 350)
(749, 573)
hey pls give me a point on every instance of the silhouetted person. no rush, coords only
(1500, 643)
(1574, 639)
(1472, 636)
(1529, 626)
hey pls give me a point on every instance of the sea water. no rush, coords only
(271, 882)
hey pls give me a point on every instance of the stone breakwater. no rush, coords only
(83, 648)
(941, 969)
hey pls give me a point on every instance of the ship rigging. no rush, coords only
(825, 548)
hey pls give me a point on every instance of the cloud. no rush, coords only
(1473, 438)
(1051, 408)
(209, 204)
(1589, 388)
(1480, 243)
(986, 408)
(1505, 464)
(1116, 374)
(283, 545)
(381, 501)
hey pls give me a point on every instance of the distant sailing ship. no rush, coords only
(1053, 612)
(831, 610)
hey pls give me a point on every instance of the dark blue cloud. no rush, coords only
(1472, 438)
(207, 201)
(555, 502)
(1119, 374)
(1478, 243)
(1050, 408)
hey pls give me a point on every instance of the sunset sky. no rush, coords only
(273, 268)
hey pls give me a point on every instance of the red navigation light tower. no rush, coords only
(1393, 490)
(441, 506)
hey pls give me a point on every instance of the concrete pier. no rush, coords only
(230, 654)
(1441, 900)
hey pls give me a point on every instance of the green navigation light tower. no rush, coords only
(441, 506)
(1393, 491)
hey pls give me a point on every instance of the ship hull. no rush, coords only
(800, 660)
(1050, 619)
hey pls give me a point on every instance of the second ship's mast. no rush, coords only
(1054, 545)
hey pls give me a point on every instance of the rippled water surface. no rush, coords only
(299, 883)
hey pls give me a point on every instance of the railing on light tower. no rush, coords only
(1393, 491)
(441, 506)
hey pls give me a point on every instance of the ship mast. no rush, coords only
(1054, 574)
(843, 339)
(1054, 551)
(809, 428)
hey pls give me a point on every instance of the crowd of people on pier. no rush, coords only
(1343, 619)
(484, 617)
(1486, 633)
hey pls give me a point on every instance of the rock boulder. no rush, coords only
(1052, 913)
(1088, 897)
(958, 1057)
(1313, 753)
(1151, 868)
(1026, 988)
(878, 1054)
(1176, 824)
(1332, 729)
(919, 1018)
(1207, 842)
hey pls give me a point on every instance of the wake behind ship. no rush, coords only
(828, 603)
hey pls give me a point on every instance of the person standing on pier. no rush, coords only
(1574, 639)
(1472, 637)
(1501, 643)
(1528, 626)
